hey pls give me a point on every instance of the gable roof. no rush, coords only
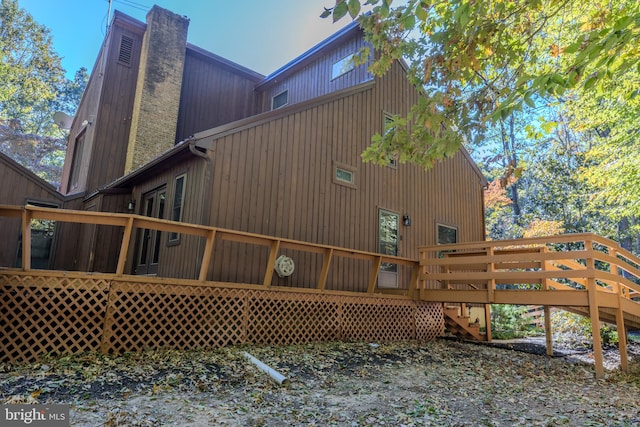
(30, 176)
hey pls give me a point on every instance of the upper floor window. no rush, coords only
(447, 235)
(280, 100)
(344, 175)
(342, 66)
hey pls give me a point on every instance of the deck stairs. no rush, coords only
(461, 325)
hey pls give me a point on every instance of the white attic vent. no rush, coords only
(126, 50)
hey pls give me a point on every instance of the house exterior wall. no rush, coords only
(107, 106)
(212, 94)
(182, 259)
(276, 178)
(314, 79)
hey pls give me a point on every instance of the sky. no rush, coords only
(262, 35)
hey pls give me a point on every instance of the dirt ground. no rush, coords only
(441, 383)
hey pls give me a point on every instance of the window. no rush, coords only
(76, 162)
(388, 118)
(344, 175)
(447, 235)
(342, 66)
(280, 100)
(178, 204)
(388, 238)
(126, 50)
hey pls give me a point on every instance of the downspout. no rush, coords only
(208, 189)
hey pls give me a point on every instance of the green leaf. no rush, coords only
(326, 13)
(340, 11)
(573, 47)
(354, 8)
(588, 84)
(409, 22)
(622, 23)
(529, 101)
(421, 13)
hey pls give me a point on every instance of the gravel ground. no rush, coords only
(443, 383)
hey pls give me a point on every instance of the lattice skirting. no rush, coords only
(60, 315)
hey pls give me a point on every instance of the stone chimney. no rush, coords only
(157, 98)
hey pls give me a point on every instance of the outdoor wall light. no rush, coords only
(406, 221)
(131, 205)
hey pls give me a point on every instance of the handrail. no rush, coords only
(211, 234)
(517, 252)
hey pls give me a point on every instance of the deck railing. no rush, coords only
(131, 222)
(583, 273)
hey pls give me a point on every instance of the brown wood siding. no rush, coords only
(181, 260)
(276, 179)
(212, 95)
(107, 106)
(315, 79)
(18, 187)
(113, 122)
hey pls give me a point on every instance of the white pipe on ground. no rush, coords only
(275, 375)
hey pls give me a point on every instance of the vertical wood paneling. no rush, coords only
(290, 161)
(212, 95)
(315, 79)
(19, 186)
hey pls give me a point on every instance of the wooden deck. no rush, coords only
(581, 273)
(113, 311)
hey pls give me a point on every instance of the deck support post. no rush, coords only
(594, 312)
(622, 330)
(487, 321)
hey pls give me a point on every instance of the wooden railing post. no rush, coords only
(206, 256)
(268, 274)
(594, 311)
(373, 278)
(413, 284)
(124, 247)
(491, 284)
(26, 240)
(548, 332)
(324, 273)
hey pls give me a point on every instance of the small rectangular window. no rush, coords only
(388, 118)
(178, 204)
(447, 235)
(280, 100)
(344, 174)
(342, 66)
(126, 50)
